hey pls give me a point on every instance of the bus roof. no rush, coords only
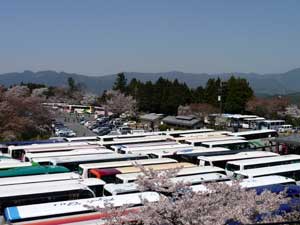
(252, 182)
(276, 158)
(174, 132)
(89, 138)
(182, 172)
(69, 153)
(45, 187)
(172, 148)
(38, 178)
(253, 132)
(79, 158)
(265, 181)
(160, 143)
(213, 139)
(269, 170)
(208, 134)
(32, 170)
(208, 177)
(13, 164)
(49, 145)
(156, 147)
(76, 206)
(134, 140)
(224, 142)
(115, 189)
(163, 166)
(236, 156)
(126, 163)
(274, 121)
(200, 149)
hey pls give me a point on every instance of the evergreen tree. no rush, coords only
(238, 94)
(120, 83)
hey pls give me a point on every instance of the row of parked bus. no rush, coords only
(52, 183)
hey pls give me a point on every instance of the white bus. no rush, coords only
(131, 177)
(198, 142)
(177, 133)
(157, 147)
(272, 124)
(84, 169)
(30, 156)
(148, 139)
(238, 165)
(32, 193)
(290, 170)
(39, 178)
(259, 139)
(214, 134)
(75, 207)
(253, 182)
(80, 139)
(231, 144)
(139, 145)
(221, 160)
(116, 189)
(19, 151)
(72, 162)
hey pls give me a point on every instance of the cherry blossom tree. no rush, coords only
(119, 103)
(218, 204)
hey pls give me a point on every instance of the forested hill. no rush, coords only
(284, 83)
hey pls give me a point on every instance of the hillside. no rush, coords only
(263, 84)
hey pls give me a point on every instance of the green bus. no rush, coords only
(32, 170)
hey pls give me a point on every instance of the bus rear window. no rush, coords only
(232, 167)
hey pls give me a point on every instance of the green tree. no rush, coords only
(238, 94)
(120, 83)
(71, 84)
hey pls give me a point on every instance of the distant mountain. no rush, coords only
(263, 84)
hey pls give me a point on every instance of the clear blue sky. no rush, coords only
(99, 37)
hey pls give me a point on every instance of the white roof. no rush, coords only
(134, 140)
(160, 143)
(116, 189)
(253, 132)
(254, 119)
(188, 131)
(200, 178)
(278, 158)
(269, 170)
(173, 148)
(68, 153)
(272, 121)
(13, 164)
(240, 155)
(38, 178)
(126, 163)
(45, 187)
(264, 181)
(157, 147)
(209, 134)
(76, 206)
(224, 142)
(252, 182)
(70, 139)
(182, 172)
(213, 139)
(79, 158)
(49, 145)
(201, 150)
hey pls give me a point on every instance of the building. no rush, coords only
(151, 120)
(189, 122)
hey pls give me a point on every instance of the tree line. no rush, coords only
(165, 96)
